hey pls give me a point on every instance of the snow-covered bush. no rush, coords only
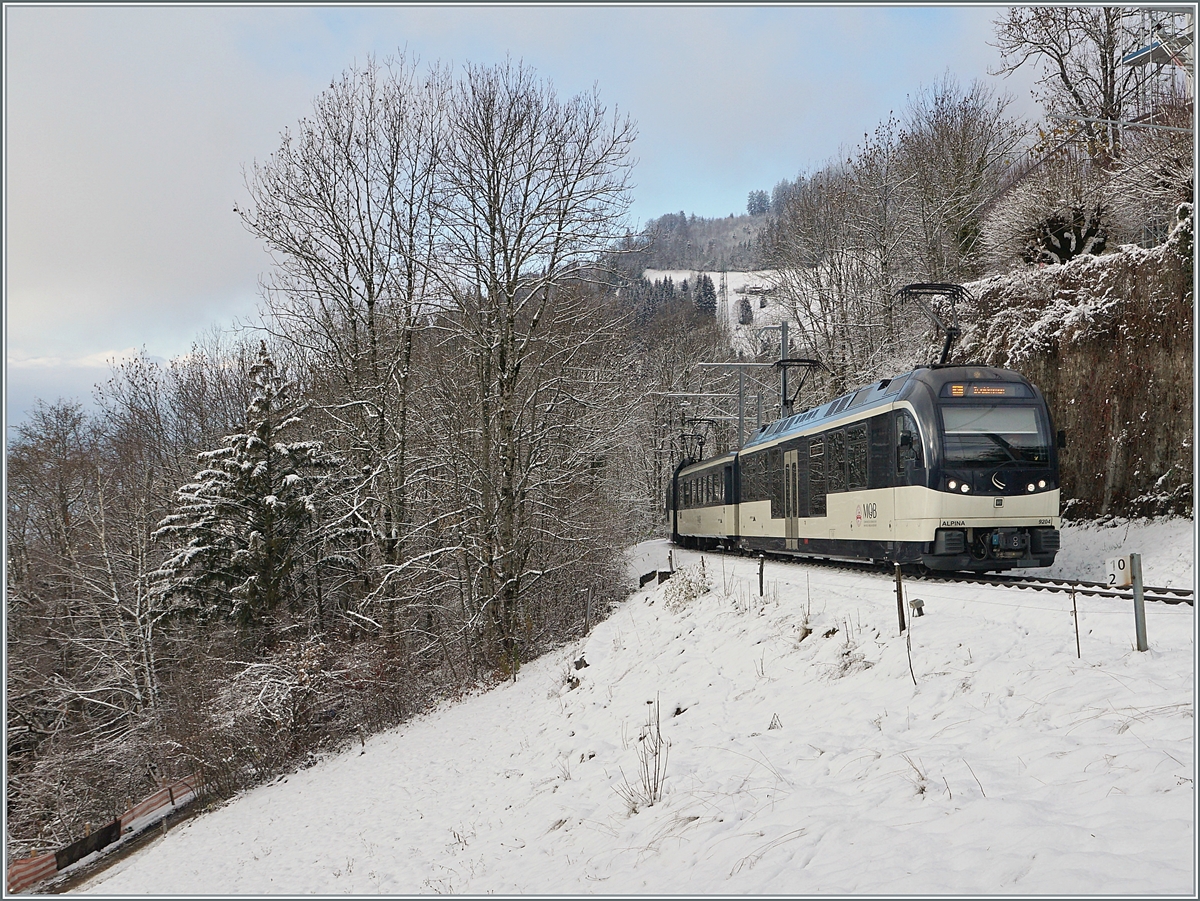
(1054, 214)
(843, 657)
(1182, 238)
(281, 693)
(688, 583)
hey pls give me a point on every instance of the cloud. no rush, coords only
(101, 360)
(128, 127)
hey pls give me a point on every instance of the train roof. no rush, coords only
(877, 394)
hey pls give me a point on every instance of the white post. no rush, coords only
(1139, 602)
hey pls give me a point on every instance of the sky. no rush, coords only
(128, 130)
(986, 751)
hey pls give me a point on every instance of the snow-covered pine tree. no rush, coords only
(705, 295)
(241, 527)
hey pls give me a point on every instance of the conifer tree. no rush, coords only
(705, 295)
(241, 526)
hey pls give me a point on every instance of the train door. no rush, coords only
(914, 517)
(910, 463)
(791, 479)
(731, 502)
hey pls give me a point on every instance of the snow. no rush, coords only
(732, 287)
(802, 757)
(735, 282)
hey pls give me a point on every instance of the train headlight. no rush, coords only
(1030, 487)
(953, 484)
(964, 487)
(1041, 483)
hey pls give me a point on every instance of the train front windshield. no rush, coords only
(994, 435)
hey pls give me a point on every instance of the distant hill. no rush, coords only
(682, 241)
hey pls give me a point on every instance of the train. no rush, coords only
(946, 468)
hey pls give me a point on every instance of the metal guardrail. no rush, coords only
(26, 873)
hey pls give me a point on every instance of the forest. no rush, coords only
(461, 404)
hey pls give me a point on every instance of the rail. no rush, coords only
(1162, 595)
(1094, 589)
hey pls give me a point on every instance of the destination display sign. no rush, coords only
(984, 389)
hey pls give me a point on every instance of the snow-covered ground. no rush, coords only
(802, 757)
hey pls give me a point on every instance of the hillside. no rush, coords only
(802, 757)
(682, 241)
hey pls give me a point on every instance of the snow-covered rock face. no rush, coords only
(1109, 341)
(813, 749)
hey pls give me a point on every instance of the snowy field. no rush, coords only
(802, 757)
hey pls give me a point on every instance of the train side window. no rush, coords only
(746, 473)
(856, 456)
(880, 452)
(775, 466)
(835, 470)
(816, 476)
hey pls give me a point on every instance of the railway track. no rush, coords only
(1080, 587)
(1067, 586)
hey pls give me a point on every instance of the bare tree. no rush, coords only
(1154, 175)
(1080, 50)
(347, 206)
(956, 142)
(84, 686)
(535, 190)
(659, 365)
(826, 278)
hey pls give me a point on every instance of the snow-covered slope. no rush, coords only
(732, 287)
(802, 757)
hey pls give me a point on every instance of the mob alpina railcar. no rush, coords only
(950, 467)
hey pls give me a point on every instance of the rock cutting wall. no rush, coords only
(1109, 340)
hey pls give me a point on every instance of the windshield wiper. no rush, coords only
(1013, 454)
